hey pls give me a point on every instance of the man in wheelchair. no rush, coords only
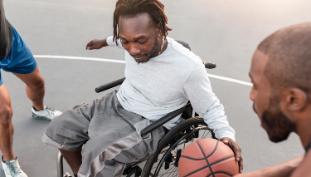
(100, 138)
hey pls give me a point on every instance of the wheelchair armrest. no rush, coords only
(206, 64)
(185, 44)
(109, 85)
(209, 65)
(162, 121)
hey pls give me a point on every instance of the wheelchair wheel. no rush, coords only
(164, 162)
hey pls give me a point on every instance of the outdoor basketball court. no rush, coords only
(223, 31)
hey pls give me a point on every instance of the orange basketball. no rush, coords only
(209, 158)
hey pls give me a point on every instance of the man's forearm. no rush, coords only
(281, 170)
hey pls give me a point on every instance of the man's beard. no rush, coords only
(155, 51)
(276, 124)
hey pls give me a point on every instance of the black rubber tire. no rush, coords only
(174, 135)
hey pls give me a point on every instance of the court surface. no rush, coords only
(223, 31)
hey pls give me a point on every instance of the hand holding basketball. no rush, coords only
(236, 149)
(205, 157)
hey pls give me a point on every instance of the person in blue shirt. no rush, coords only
(16, 58)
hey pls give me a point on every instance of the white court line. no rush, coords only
(79, 58)
(228, 79)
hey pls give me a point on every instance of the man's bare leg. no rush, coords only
(34, 88)
(73, 158)
(6, 126)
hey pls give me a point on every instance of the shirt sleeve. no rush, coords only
(113, 43)
(204, 102)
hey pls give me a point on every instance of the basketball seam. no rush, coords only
(210, 165)
(221, 172)
(214, 150)
(220, 160)
(206, 157)
(191, 158)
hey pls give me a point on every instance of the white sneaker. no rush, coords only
(46, 113)
(67, 174)
(11, 168)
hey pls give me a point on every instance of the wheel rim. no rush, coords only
(158, 167)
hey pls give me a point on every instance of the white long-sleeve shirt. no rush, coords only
(166, 83)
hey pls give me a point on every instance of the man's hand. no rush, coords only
(236, 149)
(96, 44)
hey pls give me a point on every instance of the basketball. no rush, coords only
(207, 157)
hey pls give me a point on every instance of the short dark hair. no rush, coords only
(289, 57)
(133, 7)
(5, 33)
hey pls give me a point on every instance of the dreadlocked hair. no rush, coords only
(132, 7)
(5, 33)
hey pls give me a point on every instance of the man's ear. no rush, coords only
(158, 30)
(293, 100)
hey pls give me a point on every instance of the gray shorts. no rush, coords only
(109, 135)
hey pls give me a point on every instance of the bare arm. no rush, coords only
(100, 43)
(281, 170)
(198, 86)
(96, 44)
(304, 167)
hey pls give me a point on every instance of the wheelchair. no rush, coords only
(164, 161)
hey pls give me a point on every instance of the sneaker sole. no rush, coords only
(36, 117)
(67, 174)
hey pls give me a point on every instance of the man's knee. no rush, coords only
(37, 84)
(6, 114)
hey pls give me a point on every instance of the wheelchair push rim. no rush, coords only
(165, 161)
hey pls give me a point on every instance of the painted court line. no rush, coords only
(227, 79)
(79, 58)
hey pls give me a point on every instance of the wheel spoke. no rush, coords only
(176, 140)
